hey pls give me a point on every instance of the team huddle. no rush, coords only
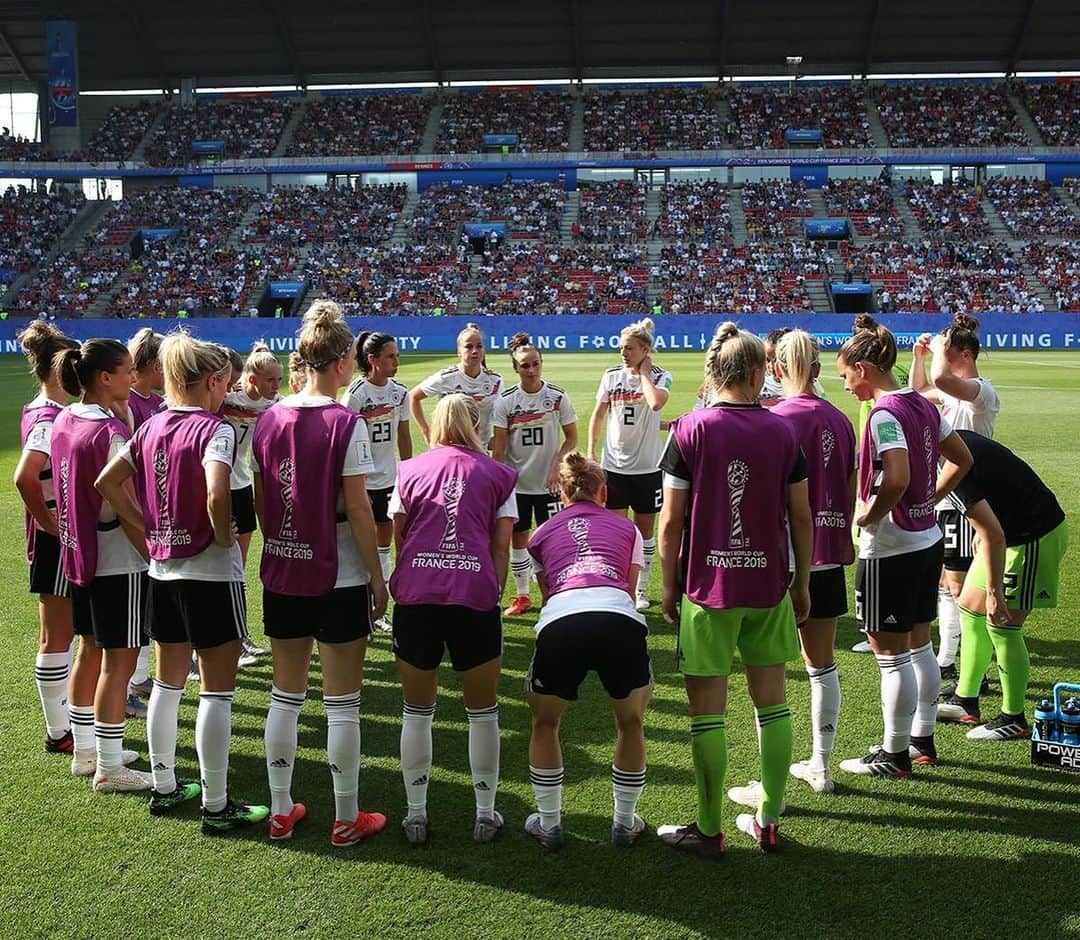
(146, 468)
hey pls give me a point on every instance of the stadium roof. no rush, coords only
(134, 45)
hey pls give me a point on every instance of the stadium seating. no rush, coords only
(1058, 267)
(530, 210)
(762, 115)
(949, 208)
(248, 127)
(775, 208)
(961, 114)
(300, 215)
(694, 210)
(120, 133)
(661, 119)
(30, 223)
(1055, 108)
(867, 204)
(365, 124)
(1030, 207)
(540, 119)
(611, 212)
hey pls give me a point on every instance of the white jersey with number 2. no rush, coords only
(632, 444)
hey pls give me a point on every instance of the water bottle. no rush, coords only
(1070, 722)
(1046, 720)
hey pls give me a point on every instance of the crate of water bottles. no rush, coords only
(1055, 739)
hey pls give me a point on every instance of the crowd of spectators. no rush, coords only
(1071, 185)
(541, 119)
(1030, 207)
(760, 116)
(611, 212)
(400, 280)
(21, 149)
(361, 124)
(70, 283)
(867, 203)
(529, 209)
(212, 213)
(543, 280)
(31, 221)
(248, 127)
(1055, 108)
(775, 208)
(1058, 267)
(950, 208)
(756, 278)
(694, 210)
(123, 129)
(300, 215)
(657, 119)
(963, 114)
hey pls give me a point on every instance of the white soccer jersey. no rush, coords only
(632, 444)
(241, 413)
(484, 389)
(532, 423)
(977, 415)
(383, 408)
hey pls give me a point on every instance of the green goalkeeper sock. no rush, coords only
(1014, 667)
(708, 740)
(976, 651)
(774, 725)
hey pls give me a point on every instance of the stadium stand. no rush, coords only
(1031, 207)
(1058, 267)
(949, 208)
(540, 119)
(120, 133)
(70, 283)
(662, 119)
(365, 124)
(960, 114)
(1055, 108)
(300, 215)
(868, 204)
(761, 116)
(20, 149)
(248, 127)
(775, 208)
(30, 223)
(695, 210)
(611, 212)
(530, 210)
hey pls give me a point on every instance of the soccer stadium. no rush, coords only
(595, 469)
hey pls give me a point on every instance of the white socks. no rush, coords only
(648, 547)
(824, 713)
(110, 747)
(343, 751)
(948, 628)
(51, 671)
(142, 668)
(928, 688)
(547, 787)
(280, 741)
(898, 697)
(213, 735)
(384, 563)
(82, 730)
(416, 755)
(626, 787)
(161, 718)
(521, 569)
(484, 756)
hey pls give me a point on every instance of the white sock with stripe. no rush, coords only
(648, 547)
(384, 562)
(213, 735)
(626, 786)
(110, 747)
(484, 756)
(51, 671)
(416, 755)
(898, 698)
(948, 628)
(521, 568)
(82, 730)
(343, 751)
(824, 713)
(142, 669)
(161, 719)
(928, 688)
(547, 783)
(279, 739)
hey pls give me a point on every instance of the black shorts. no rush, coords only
(112, 610)
(340, 615)
(380, 504)
(423, 632)
(893, 594)
(243, 510)
(46, 573)
(959, 536)
(828, 593)
(542, 506)
(612, 645)
(641, 492)
(202, 613)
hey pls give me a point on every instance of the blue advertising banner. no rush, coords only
(850, 288)
(500, 140)
(208, 146)
(826, 228)
(481, 229)
(63, 76)
(585, 333)
(287, 288)
(795, 135)
(814, 176)
(158, 234)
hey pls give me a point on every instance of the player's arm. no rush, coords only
(802, 539)
(499, 441)
(895, 477)
(596, 423)
(958, 462)
(992, 543)
(672, 515)
(404, 440)
(500, 548)
(943, 379)
(219, 502)
(416, 409)
(918, 378)
(28, 483)
(260, 499)
(569, 444)
(655, 396)
(362, 523)
(111, 484)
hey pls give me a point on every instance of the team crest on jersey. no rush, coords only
(286, 477)
(738, 475)
(453, 490)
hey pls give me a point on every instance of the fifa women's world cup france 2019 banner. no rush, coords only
(60, 45)
(687, 332)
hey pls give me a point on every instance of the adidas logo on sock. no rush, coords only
(482, 786)
(160, 766)
(1044, 595)
(280, 762)
(334, 769)
(828, 728)
(419, 781)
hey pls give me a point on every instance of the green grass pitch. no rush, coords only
(982, 845)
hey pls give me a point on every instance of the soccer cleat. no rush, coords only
(134, 707)
(923, 751)
(820, 781)
(162, 803)
(642, 601)
(949, 673)
(863, 646)
(87, 766)
(949, 689)
(521, 604)
(352, 832)
(193, 672)
(384, 625)
(415, 829)
(249, 653)
(623, 837)
(142, 689)
(282, 825)
(65, 744)
(232, 816)
(879, 763)
(767, 837)
(965, 711)
(550, 839)
(124, 780)
(487, 827)
(1003, 728)
(750, 795)
(691, 839)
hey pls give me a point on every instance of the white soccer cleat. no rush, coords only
(750, 795)
(863, 646)
(87, 766)
(125, 780)
(384, 625)
(820, 781)
(642, 602)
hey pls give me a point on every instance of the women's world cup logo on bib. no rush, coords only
(453, 490)
(737, 476)
(931, 463)
(63, 523)
(286, 477)
(828, 448)
(161, 482)
(579, 532)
